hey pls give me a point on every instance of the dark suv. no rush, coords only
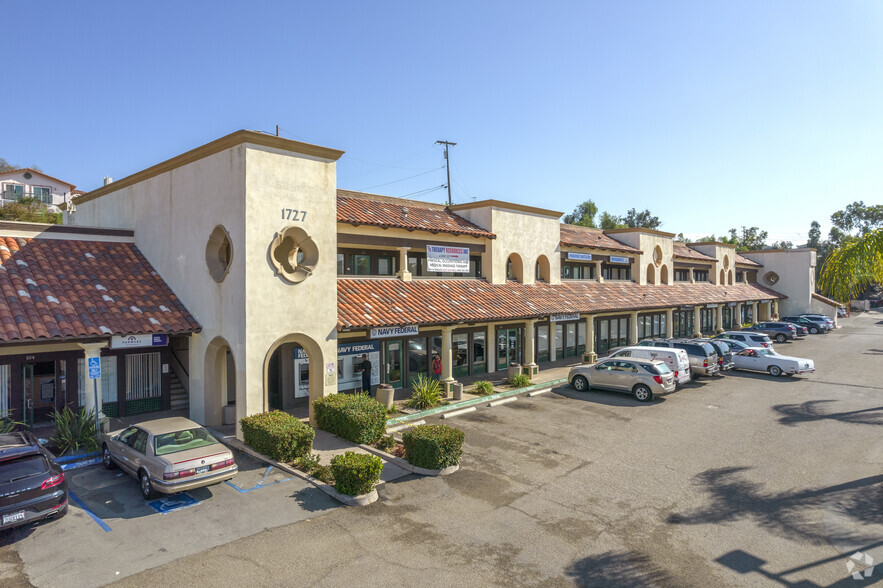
(814, 325)
(32, 485)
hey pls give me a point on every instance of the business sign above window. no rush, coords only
(385, 332)
(711, 305)
(614, 259)
(687, 307)
(440, 258)
(579, 256)
(560, 318)
(732, 303)
(132, 341)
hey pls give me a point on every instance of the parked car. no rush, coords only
(677, 360)
(735, 346)
(823, 317)
(814, 326)
(766, 360)
(641, 378)
(703, 357)
(168, 455)
(32, 485)
(724, 354)
(781, 332)
(752, 339)
(801, 330)
(841, 312)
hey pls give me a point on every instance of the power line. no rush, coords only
(447, 165)
(427, 190)
(403, 179)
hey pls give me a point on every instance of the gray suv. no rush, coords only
(704, 360)
(642, 378)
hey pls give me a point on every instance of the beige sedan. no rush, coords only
(168, 455)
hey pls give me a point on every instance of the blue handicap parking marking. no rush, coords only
(262, 484)
(172, 503)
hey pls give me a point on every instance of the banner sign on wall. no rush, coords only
(558, 318)
(385, 332)
(579, 256)
(687, 307)
(732, 303)
(440, 258)
(130, 341)
(614, 259)
(711, 305)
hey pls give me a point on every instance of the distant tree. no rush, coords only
(782, 245)
(707, 239)
(751, 239)
(680, 238)
(815, 235)
(609, 221)
(643, 219)
(583, 215)
(6, 166)
(857, 217)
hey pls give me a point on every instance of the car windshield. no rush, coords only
(764, 352)
(724, 348)
(182, 441)
(23, 467)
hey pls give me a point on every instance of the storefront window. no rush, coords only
(543, 343)
(479, 353)
(418, 361)
(611, 332)
(341, 267)
(570, 333)
(616, 272)
(700, 275)
(5, 390)
(559, 341)
(727, 317)
(460, 354)
(384, 266)
(682, 275)
(682, 323)
(108, 380)
(581, 338)
(707, 319)
(363, 265)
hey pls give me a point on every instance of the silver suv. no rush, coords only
(704, 360)
(642, 378)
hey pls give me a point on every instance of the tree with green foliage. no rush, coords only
(583, 215)
(751, 239)
(29, 210)
(815, 235)
(856, 217)
(853, 266)
(6, 166)
(609, 222)
(643, 219)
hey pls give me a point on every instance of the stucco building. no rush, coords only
(16, 184)
(262, 285)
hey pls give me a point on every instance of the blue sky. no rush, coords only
(711, 114)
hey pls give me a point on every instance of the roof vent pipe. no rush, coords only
(108, 180)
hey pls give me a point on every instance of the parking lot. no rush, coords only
(111, 532)
(745, 480)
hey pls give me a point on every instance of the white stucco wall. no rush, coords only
(60, 191)
(796, 271)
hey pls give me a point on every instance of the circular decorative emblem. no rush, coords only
(771, 278)
(726, 261)
(657, 256)
(218, 253)
(293, 254)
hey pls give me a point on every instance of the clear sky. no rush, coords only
(712, 114)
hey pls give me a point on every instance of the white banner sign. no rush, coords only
(711, 305)
(579, 256)
(440, 258)
(129, 341)
(614, 259)
(560, 318)
(385, 332)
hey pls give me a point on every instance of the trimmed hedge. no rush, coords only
(278, 435)
(356, 473)
(433, 447)
(355, 417)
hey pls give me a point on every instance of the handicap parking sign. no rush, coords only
(94, 368)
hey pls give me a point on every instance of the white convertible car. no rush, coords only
(766, 360)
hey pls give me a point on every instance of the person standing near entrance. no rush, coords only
(366, 375)
(436, 367)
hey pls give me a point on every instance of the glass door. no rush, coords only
(393, 360)
(27, 399)
(508, 347)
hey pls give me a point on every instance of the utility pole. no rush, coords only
(447, 166)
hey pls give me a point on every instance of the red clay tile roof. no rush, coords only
(745, 261)
(374, 302)
(684, 252)
(577, 236)
(53, 289)
(388, 214)
(827, 301)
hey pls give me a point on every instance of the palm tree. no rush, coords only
(853, 266)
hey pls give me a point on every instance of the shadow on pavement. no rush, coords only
(806, 412)
(621, 568)
(608, 398)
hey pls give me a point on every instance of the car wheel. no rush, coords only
(774, 371)
(581, 384)
(814, 330)
(146, 488)
(642, 393)
(780, 338)
(106, 459)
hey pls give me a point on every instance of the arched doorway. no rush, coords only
(515, 268)
(543, 269)
(651, 274)
(663, 274)
(730, 278)
(220, 381)
(723, 278)
(291, 375)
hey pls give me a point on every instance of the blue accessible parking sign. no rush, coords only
(94, 368)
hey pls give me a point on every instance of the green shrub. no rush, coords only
(483, 388)
(74, 430)
(323, 473)
(356, 473)
(278, 435)
(433, 447)
(386, 443)
(519, 381)
(427, 393)
(356, 418)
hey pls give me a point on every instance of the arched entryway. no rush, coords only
(291, 375)
(663, 274)
(543, 269)
(515, 268)
(220, 381)
(651, 274)
(730, 278)
(723, 278)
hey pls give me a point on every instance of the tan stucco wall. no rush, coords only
(527, 234)
(796, 270)
(646, 243)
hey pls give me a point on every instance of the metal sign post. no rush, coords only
(94, 374)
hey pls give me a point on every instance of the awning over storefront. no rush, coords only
(57, 289)
(367, 303)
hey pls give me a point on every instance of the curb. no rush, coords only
(473, 402)
(361, 500)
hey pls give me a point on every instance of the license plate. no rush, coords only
(202, 470)
(11, 518)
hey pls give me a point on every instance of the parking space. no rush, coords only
(110, 531)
